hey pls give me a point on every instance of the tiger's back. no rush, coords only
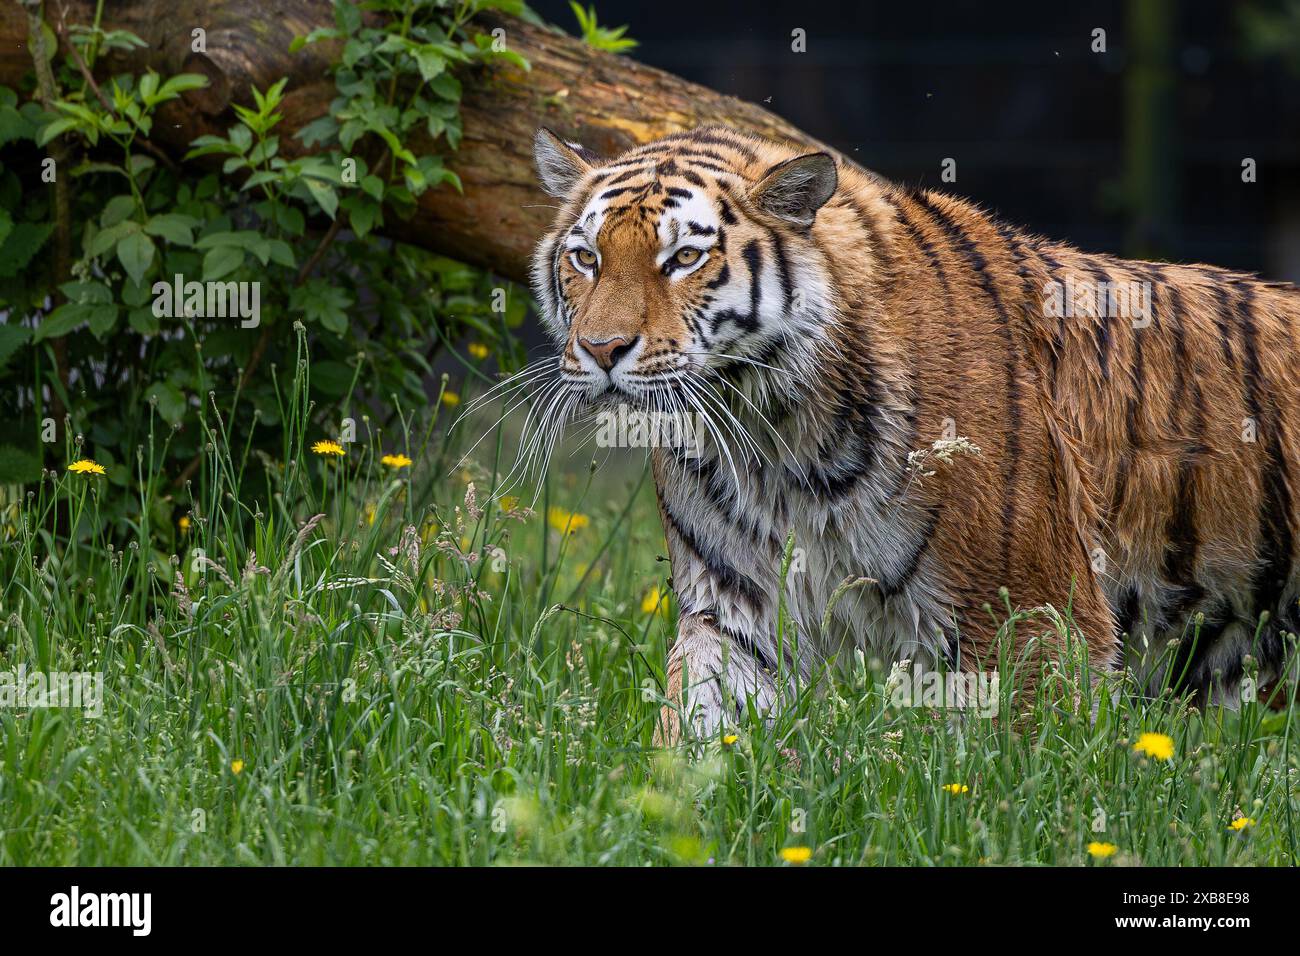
(1174, 433)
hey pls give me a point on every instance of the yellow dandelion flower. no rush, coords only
(1099, 851)
(956, 789)
(396, 461)
(478, 350)
(508, 502)
(329, 448)
(450, 399)
(236, 767)
(1155, 745)
(1241, 823)
(650, 603)
(566, 522)
(85, 466)
(798, 855)
(729, 739)
(184, 524)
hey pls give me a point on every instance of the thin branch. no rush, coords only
(62, 30)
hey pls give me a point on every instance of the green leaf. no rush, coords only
(347, 16)
(87, 293)
(63, 320)
(282, 253)
(135, 252)
(143, 321)
(102, 320)
(116, 210)
(136, 293)
(173, 227)
(148, 86)
(239, 238)
(181, 83)
(23, 242)
(429, 63)
(171, 401)
(12, 338)
(363, 215)
(222, 261)
(319, 301)
(324, 195)
(447, 86)
(52, 129)
(320, 130)
(208, 145)
(107, 239)
(333, 379)
(18, 467)
(13, 125)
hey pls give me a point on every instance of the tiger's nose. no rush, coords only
(608, 353)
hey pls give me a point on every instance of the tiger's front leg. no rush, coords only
(712, 678)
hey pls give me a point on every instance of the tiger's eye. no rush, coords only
(687, 257)
(586, 258)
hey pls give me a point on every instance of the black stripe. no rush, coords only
(782, 267)
(1011, 459)
(1223, 319)
(1100, 305)
(1053, 268)
(1275, 530)
(630, 174)
(721, 493)
(1131, 427)
(711, 167)
(726, 575)
(753, 257)
(850, 449)
(925, 245)
(723, 277)
(750, 647)
(739, 147)
(1182, 539)
(919, 547)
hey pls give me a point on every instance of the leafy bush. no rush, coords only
(103, 343)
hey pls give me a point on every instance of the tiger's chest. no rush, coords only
(857, 574)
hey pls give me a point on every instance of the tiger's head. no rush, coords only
(688, 257)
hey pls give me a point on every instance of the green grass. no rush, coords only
(396, 698)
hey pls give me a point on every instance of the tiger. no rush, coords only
(939, 417)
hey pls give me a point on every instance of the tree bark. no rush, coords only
(606, 102)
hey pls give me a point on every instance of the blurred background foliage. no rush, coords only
(1134, 151)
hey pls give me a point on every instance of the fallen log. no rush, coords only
(606, 102)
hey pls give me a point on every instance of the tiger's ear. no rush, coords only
(795, 189)
(559, 164)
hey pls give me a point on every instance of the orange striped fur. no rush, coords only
(1138, 468)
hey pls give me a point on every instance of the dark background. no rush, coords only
(1136, 151)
